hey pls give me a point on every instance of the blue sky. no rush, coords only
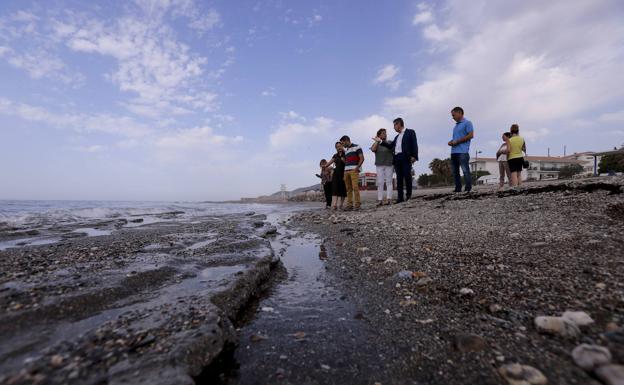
(197, 100)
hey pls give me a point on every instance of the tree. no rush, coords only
(441, 170)
(611, 163)
(424, 180)
(569, 170)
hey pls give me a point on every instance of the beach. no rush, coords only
(455, 281)
(442, 289)
(146, 295)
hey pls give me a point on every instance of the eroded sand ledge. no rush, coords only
(149, 305)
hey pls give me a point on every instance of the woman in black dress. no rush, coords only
(339, 190)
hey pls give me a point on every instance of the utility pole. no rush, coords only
(549, 152)
(564, 150)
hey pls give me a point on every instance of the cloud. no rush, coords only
(289, 132)
(26, 46)
(197, 137)
(423, 17)
(206, 22)
(269, 92)
(387, 75)
(90, 149)
(103, 123)
(315, 19)
(503, 70)
(612, 117)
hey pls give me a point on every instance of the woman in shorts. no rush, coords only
(515, 155)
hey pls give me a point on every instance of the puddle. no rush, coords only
(220, 273)
(27, 242)
(305, 331)
(201, 244)
(91, 232)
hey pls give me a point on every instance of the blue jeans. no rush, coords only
(462, 160)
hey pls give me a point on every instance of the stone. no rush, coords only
(424, 281)
(390, 260)
(495, 308)
(590, 357)
(611, 374)
(611, 327)
(404, 274)
(558, 326)
(258, 338)
(466, 291)
(361, 250)
(517, 374)
(579, 318)
(469, 343)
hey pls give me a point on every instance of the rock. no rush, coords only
(495, 308)
(517, 374)
(258, 223)
(271, 230)
(424, 281)
(325, 367)
(390, 260)
(268, 309)
(466, 291)
(579, 318)
(590, 357)
(258, 338)
(557, 325)
(601, 286)
(366, 259)
(56, 360)
(361, 250)
(611, 327)
(405, 274)
(611, 374)
(138, 220)
(469, 343)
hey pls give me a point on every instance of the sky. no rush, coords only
(216, 100)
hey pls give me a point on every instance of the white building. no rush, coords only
(540, 167)
(590, 161)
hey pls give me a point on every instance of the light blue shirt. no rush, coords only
(461, 129)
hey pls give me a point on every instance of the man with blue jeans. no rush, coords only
(460, 147)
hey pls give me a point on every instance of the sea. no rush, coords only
(36, 222)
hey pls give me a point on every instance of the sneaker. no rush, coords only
(347, 208)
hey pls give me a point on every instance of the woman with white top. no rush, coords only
(384, 167)
(503, 166)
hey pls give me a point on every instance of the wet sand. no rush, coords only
(151, 304)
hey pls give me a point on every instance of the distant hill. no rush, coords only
(314, 187)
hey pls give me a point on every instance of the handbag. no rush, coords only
(525, 163)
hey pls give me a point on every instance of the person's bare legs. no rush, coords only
(519, 178)
(514, 179)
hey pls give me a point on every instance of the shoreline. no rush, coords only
(151, 304)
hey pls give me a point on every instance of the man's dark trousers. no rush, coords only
(463, 161)
(403, 169)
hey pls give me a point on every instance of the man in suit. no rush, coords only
(405, 147)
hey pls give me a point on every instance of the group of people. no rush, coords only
(397, 156)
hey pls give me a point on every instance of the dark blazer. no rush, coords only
(409, 144)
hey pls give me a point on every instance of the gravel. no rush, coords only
(484, 264)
